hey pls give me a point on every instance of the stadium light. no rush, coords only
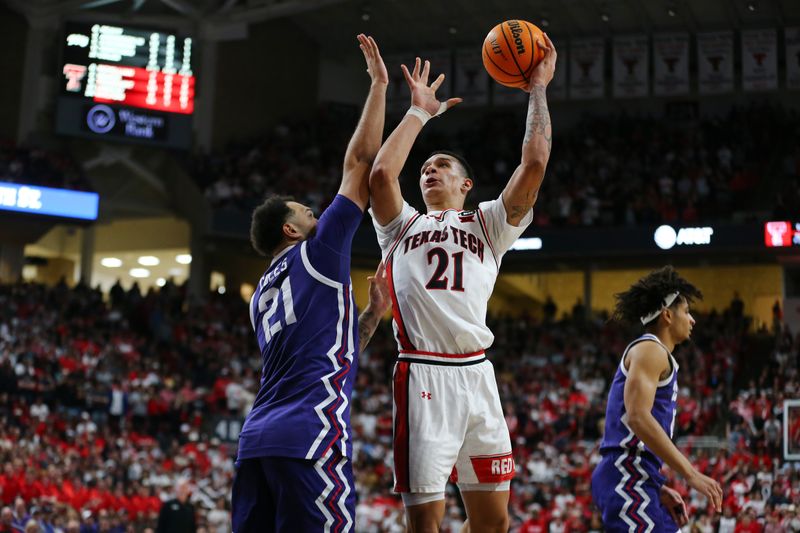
(183, 259)
(111, 262)
(148, 260)
(139, 272)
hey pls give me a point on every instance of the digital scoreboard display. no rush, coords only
(128, 84)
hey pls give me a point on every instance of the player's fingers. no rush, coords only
(549, 42)
(437, 82)
(381, 270)
(673, 512)
(407, 75)
(417, 66)
(374, 45)
(683, 515)
(453, 101)
(546, 53)
(715, 498)
(426, 70)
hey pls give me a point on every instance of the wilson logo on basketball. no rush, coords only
(516, 31)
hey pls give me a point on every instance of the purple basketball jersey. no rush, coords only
(305, 320)
(618, 436)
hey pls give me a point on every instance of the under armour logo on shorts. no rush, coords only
(426, 395)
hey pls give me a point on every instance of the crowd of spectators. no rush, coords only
(109, 407)
(617, 170)
(39, 166)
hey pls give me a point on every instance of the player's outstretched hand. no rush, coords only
(375, 67)
(673, 502)
(379, 298)
(424, 95)
(708, 487)
(543, 72)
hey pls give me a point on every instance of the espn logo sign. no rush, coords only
(493, 468)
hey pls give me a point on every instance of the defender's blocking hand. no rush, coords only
(372, 55)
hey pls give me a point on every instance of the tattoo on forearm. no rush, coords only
(538, 122)
(367, 323)
(518, 212)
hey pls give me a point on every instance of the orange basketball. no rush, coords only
(510, 52)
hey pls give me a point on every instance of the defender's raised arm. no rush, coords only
(366, 140)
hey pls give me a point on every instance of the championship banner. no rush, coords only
(671, 57)
(471, 79)
(631, 65)
(715, 62)
(759, 60)
(587, 65)
(557, 90)
(792, 58)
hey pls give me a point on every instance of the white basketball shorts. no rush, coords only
(448, 423)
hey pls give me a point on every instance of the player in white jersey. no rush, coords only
(442, 267)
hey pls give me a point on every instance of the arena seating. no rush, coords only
(39, 166)
(103, 403)
(612, 171)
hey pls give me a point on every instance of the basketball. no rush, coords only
(511, 50)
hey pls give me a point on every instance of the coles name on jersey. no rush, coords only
(442, 268)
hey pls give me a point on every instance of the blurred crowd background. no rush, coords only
(109, 405)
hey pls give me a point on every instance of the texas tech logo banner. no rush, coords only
(631, 66)
(759, 60)
(671, 68)
(587, 67)
(715, 62)
(792, 58)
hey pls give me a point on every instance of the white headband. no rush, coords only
(668, 300)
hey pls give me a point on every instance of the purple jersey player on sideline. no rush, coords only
(293, 470)
(640, 415)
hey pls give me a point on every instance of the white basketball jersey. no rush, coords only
(442, 268)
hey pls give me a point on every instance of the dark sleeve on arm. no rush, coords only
(329, 250)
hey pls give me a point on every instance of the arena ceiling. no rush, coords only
(433, 23)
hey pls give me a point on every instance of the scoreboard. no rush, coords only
(127, 84)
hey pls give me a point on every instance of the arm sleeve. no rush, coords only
(501, 233)
(329, 249)
(389, 233)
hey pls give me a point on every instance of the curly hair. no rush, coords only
(647, 295)
(266, 227)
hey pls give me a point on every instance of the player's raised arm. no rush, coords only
(385, 195)
(366, 140)
(647, 362)
(523, 188)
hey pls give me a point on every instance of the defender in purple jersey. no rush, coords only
(293, 470)
(640, 415)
